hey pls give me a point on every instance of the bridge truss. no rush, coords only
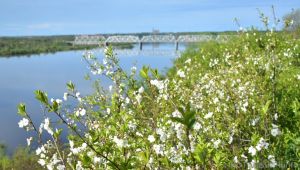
(98, 39)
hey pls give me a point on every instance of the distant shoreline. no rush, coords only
(34, 45)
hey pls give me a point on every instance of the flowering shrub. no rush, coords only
(233, 105)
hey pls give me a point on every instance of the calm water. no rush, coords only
(21, 76)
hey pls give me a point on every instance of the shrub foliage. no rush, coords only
(233, 104)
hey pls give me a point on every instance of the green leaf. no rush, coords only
(177, 119)
(181, 110)
(155, 73)
(57, 133)
(54, 106)
(191, 123)
(201, 153)
(70, 86)
(42, 97)
(22, 109)
(266, 107)
(296, 108)
(86, 160)
(144, 156)
(87, 77)
(188, 118)
(144, 72)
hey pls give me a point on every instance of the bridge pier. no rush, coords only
(176, 45)
(141, 46)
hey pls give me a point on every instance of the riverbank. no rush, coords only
(14, 46)
(30, 45)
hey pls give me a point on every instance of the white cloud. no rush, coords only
(40, 26)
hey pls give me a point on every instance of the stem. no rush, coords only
(274, 84)
(190, 148)
(87, 143)
(35, 129)
(61, 157)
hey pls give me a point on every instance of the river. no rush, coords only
(21, 76)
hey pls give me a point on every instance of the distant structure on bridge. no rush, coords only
(153, 38)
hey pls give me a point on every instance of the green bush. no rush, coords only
(228, 105)
(22, 159)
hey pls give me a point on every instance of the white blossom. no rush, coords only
(276, 116)
(188, 61)
(83, 146)
(254, 121)
(23, 123)
(162, 134)
(58, 101)
(230, 139)
(159, 150)
(138, 98)
(127, 100)
(71, 144)
(96, 160)
(216, 100)
(252, 165)
(180, 73)
(81, 112)
(77, 94)
(88, 54)
(235, 160)
(208, 115)
(151, 138)
(252, 150)
(40, 150)
(65, 96)
(262, 144)
(141, 90)
(244, 156)
(79, 166)
(275, 130)
(197, 126)
(159, 84)
(29, 140)
(42, 162)
(47, 126)
(272, 160)
(60, 167)
(104, 61)
(110, 88)
(120, 142)
(216, 143)
(176, 113)
(133, 69)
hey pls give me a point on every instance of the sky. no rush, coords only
(60, 17)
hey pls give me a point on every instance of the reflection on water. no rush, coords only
(21, 76)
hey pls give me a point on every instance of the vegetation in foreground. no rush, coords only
(22, 159)
(225, 105)
(14, 46)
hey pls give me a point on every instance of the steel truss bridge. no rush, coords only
(102, 40)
